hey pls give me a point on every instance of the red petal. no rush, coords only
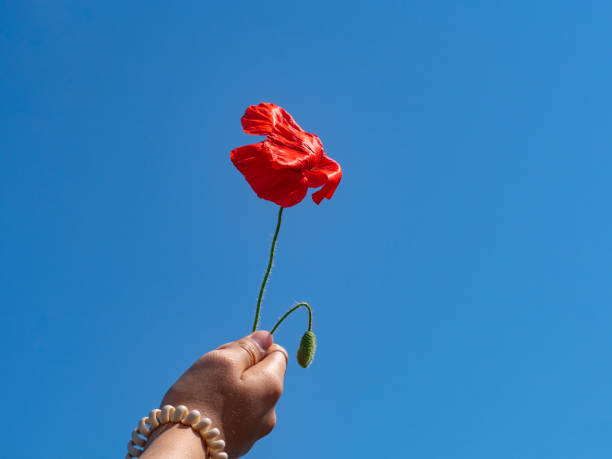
(261, 119)
(316, 178)
(285, 187)
(333, 173)
(289, 145)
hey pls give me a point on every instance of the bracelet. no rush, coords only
(180, 414)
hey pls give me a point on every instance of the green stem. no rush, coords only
(263, 284)
(280, 321)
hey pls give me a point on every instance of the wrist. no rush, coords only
(175, 441)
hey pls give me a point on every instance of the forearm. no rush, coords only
(175, 441)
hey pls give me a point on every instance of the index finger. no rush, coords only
(273, 363)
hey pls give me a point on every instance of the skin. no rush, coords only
(237, 386)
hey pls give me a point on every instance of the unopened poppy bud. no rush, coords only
(307, 348)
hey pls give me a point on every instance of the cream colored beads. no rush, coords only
(192, 418)
(166, 412)
(181, 414)
(137, 439)
(154, 418)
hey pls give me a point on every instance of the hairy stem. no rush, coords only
(263, 284)
(306, 305)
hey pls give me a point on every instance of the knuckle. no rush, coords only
(277, 348)
(275, 389)
(269, 423)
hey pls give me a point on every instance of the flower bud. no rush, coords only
(307, 348)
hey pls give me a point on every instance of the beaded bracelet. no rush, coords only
(180, 414)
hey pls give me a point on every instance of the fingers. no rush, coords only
(249, 350)
(275, 361)
(268, 375)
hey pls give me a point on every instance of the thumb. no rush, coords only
(249, 350)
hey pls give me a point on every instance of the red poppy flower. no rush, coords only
(283, 167)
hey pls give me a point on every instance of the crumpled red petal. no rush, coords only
(333, 173)
(285, 187)
(263, 118)
(289, 145)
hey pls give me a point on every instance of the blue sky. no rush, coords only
(460, 276)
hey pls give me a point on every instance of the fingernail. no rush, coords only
(263, 338)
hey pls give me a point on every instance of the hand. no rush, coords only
(237, 387)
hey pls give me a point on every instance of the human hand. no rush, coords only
(237, 386)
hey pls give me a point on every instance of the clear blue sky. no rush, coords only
(460, 276)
